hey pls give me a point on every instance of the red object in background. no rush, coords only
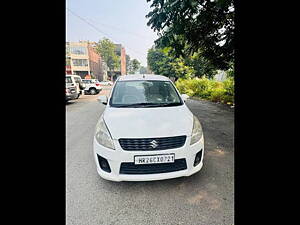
(97, 84)
(87, 77)
(68, 70)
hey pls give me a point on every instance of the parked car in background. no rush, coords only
(95, 80)
(106, 83)
(91, 86)
(71, 93)
(147, 132)
(75, 81)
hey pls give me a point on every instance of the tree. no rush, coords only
(106, 49)
(201, 65)
(159, 62)
(181, 70)
(230, 71)
(143, 70)
(202, 25)
(134, 66)
(164, 62)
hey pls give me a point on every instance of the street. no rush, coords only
(206, 198)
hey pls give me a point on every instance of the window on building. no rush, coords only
(78, 50)
(68, 61)
(80, 62)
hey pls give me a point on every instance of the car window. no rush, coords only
(77, 80)
(68, 80)
(155, 93)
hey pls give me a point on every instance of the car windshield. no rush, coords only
(68, 80)
(144, 94)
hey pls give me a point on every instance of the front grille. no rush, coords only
(147, 144)
(131, 168)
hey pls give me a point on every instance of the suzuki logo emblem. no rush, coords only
(153, 144)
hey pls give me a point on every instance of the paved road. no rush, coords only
(205, 198)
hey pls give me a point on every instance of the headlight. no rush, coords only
(103, 136)
(197, 131)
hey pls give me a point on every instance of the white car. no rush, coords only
(146, 132)
(106, 83)
(92, 86)
(75, 81)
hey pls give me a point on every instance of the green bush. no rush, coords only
(229, 86)
(204, 88)
(217, 95)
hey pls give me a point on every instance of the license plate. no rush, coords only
(153, 159)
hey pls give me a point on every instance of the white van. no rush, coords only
(75, 81)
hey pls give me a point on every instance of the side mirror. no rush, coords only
(184, 97)
(102, 99)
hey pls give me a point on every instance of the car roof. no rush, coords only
(143, 77)
(72, 75)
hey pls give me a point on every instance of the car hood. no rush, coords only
(148, 122)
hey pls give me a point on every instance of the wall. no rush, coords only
(95, 63)
(123, 61)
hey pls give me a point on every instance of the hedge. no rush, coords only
(204, 88)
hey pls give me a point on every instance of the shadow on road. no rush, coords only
(168, 184)
(70, 102)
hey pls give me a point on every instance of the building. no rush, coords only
(94, 62)
(83, 60)
(120, 51)
(220, 76)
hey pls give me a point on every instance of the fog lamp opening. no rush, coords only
(104, 165)
(198, 158)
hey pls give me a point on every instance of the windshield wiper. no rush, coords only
(147, 104)
(170, 104)
(142, 104)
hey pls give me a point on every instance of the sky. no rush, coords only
(122, 21)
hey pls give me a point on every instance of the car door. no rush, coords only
(87, 84)
(78, 82)
(69, 82)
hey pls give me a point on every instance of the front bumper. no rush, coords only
(117, 156)
(71, 96)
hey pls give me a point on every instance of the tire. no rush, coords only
(93, 91)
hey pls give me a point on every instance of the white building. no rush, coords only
(221, 75)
